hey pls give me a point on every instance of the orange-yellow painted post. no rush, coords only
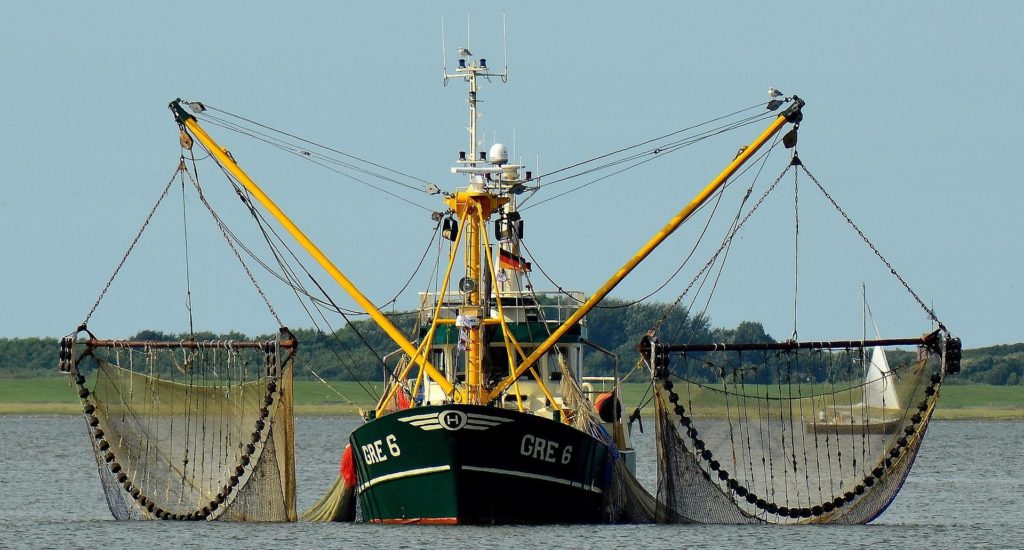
(475, 351)
(475, 206)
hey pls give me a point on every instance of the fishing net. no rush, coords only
(800, 433)
(190, 430)
(625, 499)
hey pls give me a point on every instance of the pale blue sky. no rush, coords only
(912, 122)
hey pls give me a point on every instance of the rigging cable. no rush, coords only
(762, 157)
(669, 147)
(333, 306)
(292, 284)
(300, 153)
(325, 147)
(728, 245)
(725, 244)
(655, 153)
(231, 238)
(264, 227)
(188, 275)
(297, 287)
(222, 227)
(652, 140)
(290, 279)
(796, 242)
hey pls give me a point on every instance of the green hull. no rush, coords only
(467, 464)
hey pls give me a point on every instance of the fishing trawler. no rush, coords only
(489, 417)
(495, 425)
(486, 419)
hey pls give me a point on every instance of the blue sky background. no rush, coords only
(912, 123)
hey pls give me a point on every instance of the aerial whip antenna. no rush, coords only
(504, 33)
(444, 56)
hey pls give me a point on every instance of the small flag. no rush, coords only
(509, 260)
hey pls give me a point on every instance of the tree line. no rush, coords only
(360, 350)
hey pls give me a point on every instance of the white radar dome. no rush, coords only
(498, 154)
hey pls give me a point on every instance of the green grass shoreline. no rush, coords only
(53, 395)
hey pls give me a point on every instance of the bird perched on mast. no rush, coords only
(772, 93)
(464, 52)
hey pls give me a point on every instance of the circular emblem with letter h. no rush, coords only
(451, 420)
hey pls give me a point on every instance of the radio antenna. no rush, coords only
(444, 55)
(504, 34)
(469, 69)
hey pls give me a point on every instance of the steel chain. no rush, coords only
(167, 188)
(874, 249)
(713, 259)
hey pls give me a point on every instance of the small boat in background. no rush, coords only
(878, 412)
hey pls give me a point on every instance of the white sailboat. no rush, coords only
(879, 391)
(878, 411)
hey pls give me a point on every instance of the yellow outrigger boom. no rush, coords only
(187, 121)
(792, 114)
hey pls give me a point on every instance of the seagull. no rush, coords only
(464, 52)
(773, 93)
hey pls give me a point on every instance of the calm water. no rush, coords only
(966, 491)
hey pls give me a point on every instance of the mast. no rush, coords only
(864, 323)
(476, 204)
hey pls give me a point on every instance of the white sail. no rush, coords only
(879, 389)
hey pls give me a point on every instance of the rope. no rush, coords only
(796, 246)
(224, 232)
(724, 245)
(746, 422)
(768, 425)
(188, 275)
(828, 438)
(784, 424)
(803, 442)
